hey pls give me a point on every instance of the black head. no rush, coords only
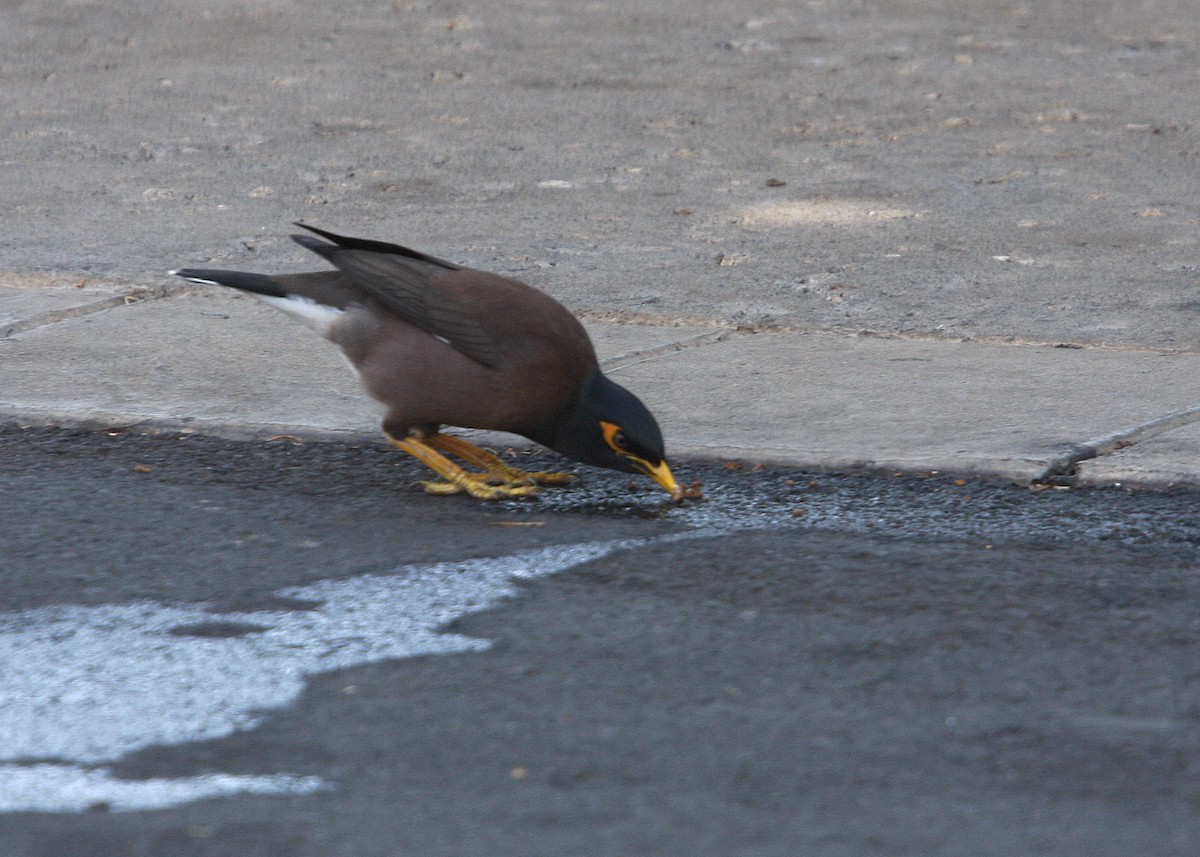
(610, 427)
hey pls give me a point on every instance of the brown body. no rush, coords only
(425, 382)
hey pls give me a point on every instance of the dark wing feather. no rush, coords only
(416, 287)
(345, 242)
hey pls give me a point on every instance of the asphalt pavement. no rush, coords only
(952, 240)
(214, 647)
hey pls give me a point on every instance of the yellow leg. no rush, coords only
(500, 472)
(457, 479)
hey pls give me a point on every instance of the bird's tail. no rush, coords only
(258, 284)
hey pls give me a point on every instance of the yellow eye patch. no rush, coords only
(614, 437)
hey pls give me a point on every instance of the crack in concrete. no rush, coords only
(1062, 472)
(632, 358)
(54, 316)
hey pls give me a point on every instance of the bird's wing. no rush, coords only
(429, 293)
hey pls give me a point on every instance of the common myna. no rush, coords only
(439, 344)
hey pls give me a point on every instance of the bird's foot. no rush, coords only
(496, 470)
(497, 481)
(481, 488)
(547, 477)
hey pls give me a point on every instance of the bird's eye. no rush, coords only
(614, 437)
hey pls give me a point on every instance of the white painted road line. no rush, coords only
(83, 686)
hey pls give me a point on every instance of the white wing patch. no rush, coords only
(320, 317)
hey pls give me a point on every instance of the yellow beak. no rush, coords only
(661, 474)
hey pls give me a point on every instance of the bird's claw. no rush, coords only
(548, 477)
(482, 489)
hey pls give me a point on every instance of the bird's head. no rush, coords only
(610, 427)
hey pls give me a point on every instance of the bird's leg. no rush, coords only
(457, 479)
(499, 471)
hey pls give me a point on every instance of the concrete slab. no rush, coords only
(998, 174)
(837, 402)
(220, 362)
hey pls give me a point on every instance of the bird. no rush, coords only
(439, 344)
